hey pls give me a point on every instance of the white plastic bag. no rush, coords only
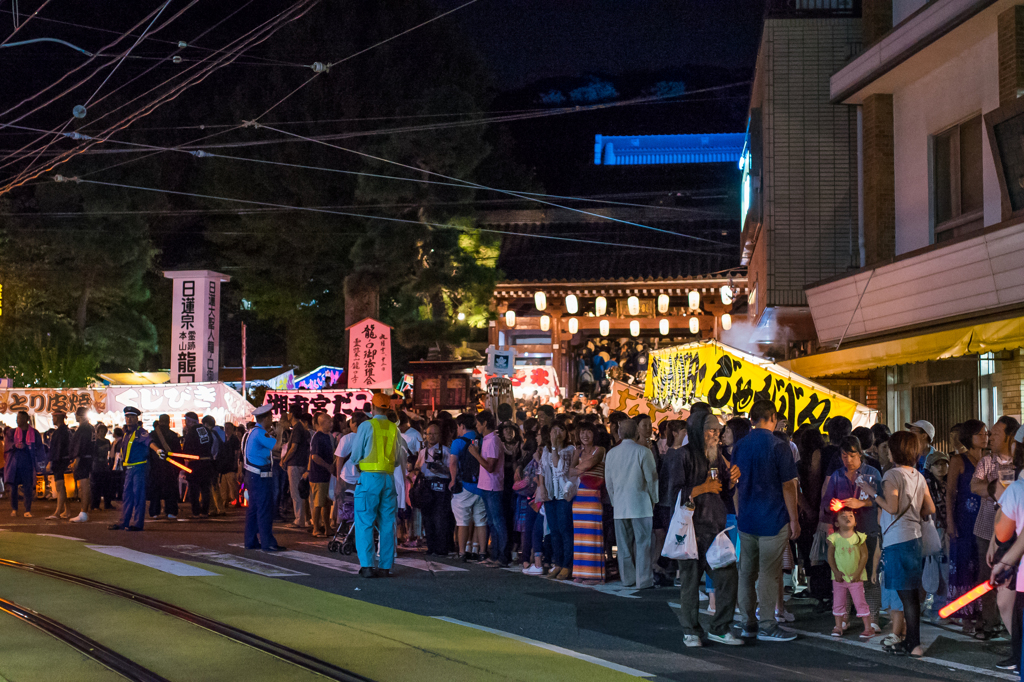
(722, 552)
(680, 540)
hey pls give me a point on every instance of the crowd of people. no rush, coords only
(864, 521)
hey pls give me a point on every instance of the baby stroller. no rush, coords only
(344, 539)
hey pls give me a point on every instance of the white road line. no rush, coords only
(551, 647)
(424, 565)
(158, 562)
(243, 563)
(62, 537)
(317, 560)
(421, 564)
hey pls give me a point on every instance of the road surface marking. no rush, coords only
(62, 537)
(424, 565)
(317, 560)
(421, 564)
(551, 647)
(234, 561)
(158, 562)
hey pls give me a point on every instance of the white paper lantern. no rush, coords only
(604, 328)
(510, 318)
(633, 303)
(600, 306)
(694, 325)
(572, 304)
(634, 328)
(574, 325)
(663, 327)
(540, 300)
(663, 304)
(726, 294)
(727, 322)
(545, 322)
(694, 299)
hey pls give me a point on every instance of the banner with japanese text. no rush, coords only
(630, 399)
(331, 402)
(730, 380)
(48, 400)
(526, 380)
(220, 401)
(195, 325)
(369, 355)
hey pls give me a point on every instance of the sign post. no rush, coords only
(369, 355)
(195, 325)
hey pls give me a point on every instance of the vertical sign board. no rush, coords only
(369, 355)
(195, 325)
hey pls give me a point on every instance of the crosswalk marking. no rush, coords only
(151, 560)
(234, 561)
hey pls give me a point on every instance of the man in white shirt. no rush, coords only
(348, 472)
(413, 438)
(631, 478)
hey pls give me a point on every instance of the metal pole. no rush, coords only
(244, 395)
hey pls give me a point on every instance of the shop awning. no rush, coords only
(987, 337)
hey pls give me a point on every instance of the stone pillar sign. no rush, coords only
(195, 325)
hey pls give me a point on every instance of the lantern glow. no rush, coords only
(540, 300)
(694, 299)
(510, 318)
(545, 322)
(694, 325)
(572, 304)
(663, 327)
(634, 328)
(600, 306)
(604, 327)
(663, 304)
(633, 303)
(574, 325)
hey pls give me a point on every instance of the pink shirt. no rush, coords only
(492, 449)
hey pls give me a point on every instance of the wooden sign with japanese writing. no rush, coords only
(369, 355)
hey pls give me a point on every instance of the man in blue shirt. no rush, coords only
(467, 506)
(766, 514)
(375, 451)
(134, 447)
(258, 458)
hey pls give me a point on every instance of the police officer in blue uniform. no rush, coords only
(258, 446)
(134, 449)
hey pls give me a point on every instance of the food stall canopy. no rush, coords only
(731, 380)
(320, 378)
(134, 378)
(543, 379)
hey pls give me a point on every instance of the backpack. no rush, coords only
(469, 468)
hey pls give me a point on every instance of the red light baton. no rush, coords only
(835, 505)
(180, 466)
(975, 593)
(182, 455)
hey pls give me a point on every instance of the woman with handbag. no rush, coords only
(904, 502)
(588, 559)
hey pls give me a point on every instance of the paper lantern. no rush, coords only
(726, 292)
(574, 325)
(663, 304)
(540, 300)
(600, 306)
(604, 327)
(634, 328)
(694, 325)
(727, 322)
(545, 322)
(510, 318)
(694, 299)
(572, 304)
(663, 327)
(633, 303)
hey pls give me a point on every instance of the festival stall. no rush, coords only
(320, 378)
(730, 380)
(344, 402)
(526, 380)
(630, 399)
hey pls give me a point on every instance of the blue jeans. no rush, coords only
(533, 535)
(259, 515)
(559, 513)
(496, 523)
(133, 507)
(376, 503)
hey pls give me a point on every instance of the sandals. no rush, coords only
(902, 649)
(837, 631)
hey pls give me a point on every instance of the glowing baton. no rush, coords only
(182, 455)
(835, 505)
(180, 466)
(965, 599)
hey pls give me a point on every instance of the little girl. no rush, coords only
(848, 557)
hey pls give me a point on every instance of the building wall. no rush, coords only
(965, 85)
(810, 161)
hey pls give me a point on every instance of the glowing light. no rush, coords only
(727, 322)
(965, 599)
(663, 304)
(574, 325)
(461, 316)
(633, 303)
(572, 304)
(835, 505)
(694, 325)
(540, 300)
(510, 318)
(663, 327)
(694, 299)
(182, 455)
(180, 466)
(605, 327)
(545, 322)
(634, 328)
(726, 292)
(600, 306)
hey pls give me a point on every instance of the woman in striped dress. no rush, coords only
(587, 521)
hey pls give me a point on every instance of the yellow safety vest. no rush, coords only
(382, 448)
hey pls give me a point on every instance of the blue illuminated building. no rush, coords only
(646, 150)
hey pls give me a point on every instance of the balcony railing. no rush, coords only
(813, 8)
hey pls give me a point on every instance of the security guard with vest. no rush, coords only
(374, 451)
(134, 449)
(258, 446)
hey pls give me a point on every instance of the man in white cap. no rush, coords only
(925, 433)
(258, 447)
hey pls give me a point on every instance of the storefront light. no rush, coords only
(634, 328)
(574, 325)
(663, 304)
(694, 299)
(572, 304)
(726, 292)
(545, 322)
(694, 325)
(540, 300)
(727, 322)
(633, 303)
(510, 319)
(604, 327)
(663, 327)
(600, 306)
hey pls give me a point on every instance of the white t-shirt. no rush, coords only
(413, 439)
(349, 472)
(1012, 504)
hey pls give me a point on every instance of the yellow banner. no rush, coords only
(630, 399)
(732, 381)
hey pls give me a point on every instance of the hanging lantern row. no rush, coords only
(604, 325)
(572, 304)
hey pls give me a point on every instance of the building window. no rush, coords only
(989, 372)
(958, 198)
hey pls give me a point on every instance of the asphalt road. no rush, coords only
(637, 629)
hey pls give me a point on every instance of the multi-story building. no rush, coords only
(933, 319)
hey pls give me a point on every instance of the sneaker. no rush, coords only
(749, 631)
(727, 638)
(877, 628)
(891, 640)
(784, 617)
(702, 597)
(53, 517)
(692, 641)
(172, 517)
(1010, 663)
(775, 634)
(81, 518)
(533, 570)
